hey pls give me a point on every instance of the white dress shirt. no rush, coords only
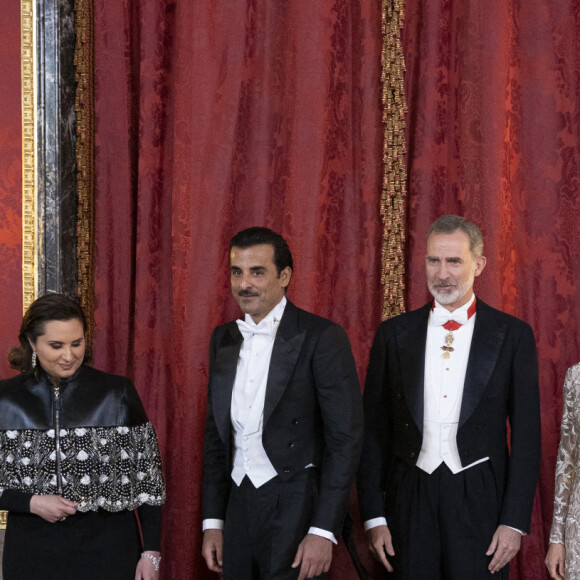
(248, 396)
(443, 390)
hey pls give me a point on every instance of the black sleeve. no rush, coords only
(15, 500)
(216, 479)
(371, 477)
(150, 518)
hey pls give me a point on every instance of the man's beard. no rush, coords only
(445, 298)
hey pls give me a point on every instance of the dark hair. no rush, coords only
(447, 224)
(256, 236)
(44, 309)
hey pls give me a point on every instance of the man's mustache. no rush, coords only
(246, 293)
(443, 284)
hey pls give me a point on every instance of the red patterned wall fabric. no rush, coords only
(10, 183)
(494, 134)
(212, 117)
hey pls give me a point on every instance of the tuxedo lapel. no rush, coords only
(411, 341)
(285, 353)
(486, 345)
(223, 376)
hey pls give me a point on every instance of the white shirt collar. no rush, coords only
(439, 315)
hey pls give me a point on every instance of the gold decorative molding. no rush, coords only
(85, 125)
(29, 223)
(394, 149)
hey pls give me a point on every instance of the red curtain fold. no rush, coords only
(10, 183)
(212, 117)
(493, 134)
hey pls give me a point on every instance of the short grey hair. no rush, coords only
(447, 224)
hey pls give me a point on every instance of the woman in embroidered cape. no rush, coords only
(78, 456)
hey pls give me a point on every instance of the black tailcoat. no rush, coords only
(501, 386)
(312, 412)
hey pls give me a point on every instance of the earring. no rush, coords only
(33, 359)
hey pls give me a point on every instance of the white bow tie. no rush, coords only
(264, 329)
(439, 316)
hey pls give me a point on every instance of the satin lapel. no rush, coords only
(486, 345)
(223, 376)
(411, 341)
(285, 353)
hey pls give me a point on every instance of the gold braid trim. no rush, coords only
(394, 149)
(29, 264)
(85, 145)
(29, 271)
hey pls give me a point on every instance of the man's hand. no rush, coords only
(555, 559)
(52, 508)
(314, 556)
(212, 549)
(381, 544)
(505, 544)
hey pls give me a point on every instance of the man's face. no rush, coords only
(256, 285)
(451, 268)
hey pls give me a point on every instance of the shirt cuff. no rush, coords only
(211, 524)
(375, 522)
(323, 534)
(515, 530)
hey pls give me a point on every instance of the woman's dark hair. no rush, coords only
(44, 309)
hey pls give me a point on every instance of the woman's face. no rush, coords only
(61, 349)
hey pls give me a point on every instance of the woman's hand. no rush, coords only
(555, 561)
(146, 569)
(52, 508)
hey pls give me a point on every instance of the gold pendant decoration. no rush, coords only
(447, 348)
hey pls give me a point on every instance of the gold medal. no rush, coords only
(447, 348)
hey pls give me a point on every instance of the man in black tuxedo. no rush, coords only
(284, 428)
(441, 495)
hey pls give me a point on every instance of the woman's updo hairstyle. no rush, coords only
(44, 309)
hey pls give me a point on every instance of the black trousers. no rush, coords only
(264, 527)
(442, 524)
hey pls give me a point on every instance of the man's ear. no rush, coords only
(285, 276)
(480, 265)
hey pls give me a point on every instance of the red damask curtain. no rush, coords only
(10, 183)
(493, 133)
(212, 117)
